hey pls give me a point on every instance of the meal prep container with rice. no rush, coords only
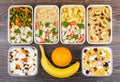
(20, 24)
(46, 24)
(99, 24)
(72, 24)
(22, 61)
(97, 61)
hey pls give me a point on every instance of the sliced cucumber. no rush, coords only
(72, 40)
(64, 37)
(55, 39)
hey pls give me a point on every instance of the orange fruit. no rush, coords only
(61, 56)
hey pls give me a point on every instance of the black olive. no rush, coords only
(96, 59)
(87, 71)
(85, 50)
(95, 49)
(105, 64)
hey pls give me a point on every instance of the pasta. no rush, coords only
(73, 13)
(99, 21)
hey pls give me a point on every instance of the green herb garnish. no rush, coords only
(53, 31)
(29, 34)
(47, 40)
(17, 31)
(23, 40)
(80, 26)
(40, 32)
(12, 38)
(75, 36)
(65, 24)
(47, 24)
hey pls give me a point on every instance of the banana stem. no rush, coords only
(42, 50)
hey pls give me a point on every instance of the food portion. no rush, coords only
(46, 24)
(61, 56)
(20, 25)
(97, 61)
(72, 24)
(23, 61)
(55, 71)
(99, 24)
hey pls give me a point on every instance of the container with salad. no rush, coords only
(46, 24)
(72, 24)
(20, 24)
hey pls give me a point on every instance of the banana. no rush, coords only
(57, 72)
(104, 35)
(95, 38)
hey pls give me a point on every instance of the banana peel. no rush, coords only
(57, 72)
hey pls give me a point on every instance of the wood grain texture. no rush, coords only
(76, 49)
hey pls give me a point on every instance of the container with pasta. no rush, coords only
(97, 61)
(72, 24)
(99, 24)
(22, 61)
(20, 24)
(46, 28)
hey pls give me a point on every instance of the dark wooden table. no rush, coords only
(76, 49)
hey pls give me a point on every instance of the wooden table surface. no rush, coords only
(76, 49)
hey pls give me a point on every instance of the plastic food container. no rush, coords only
(72, 24)
(22, 61)
(20, 24)
(99, 24)
(46, 24)
(97, 61)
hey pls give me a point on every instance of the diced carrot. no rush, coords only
(80, 39)
(43, 40)
(22, 25)
(56, 34)
(47, 32)
(26, 10)
(71, 35)
(73, 23)
(14, 9)
(25, 59)
(17, 66)
(17, 21)
(37, 26)
(56, 24)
